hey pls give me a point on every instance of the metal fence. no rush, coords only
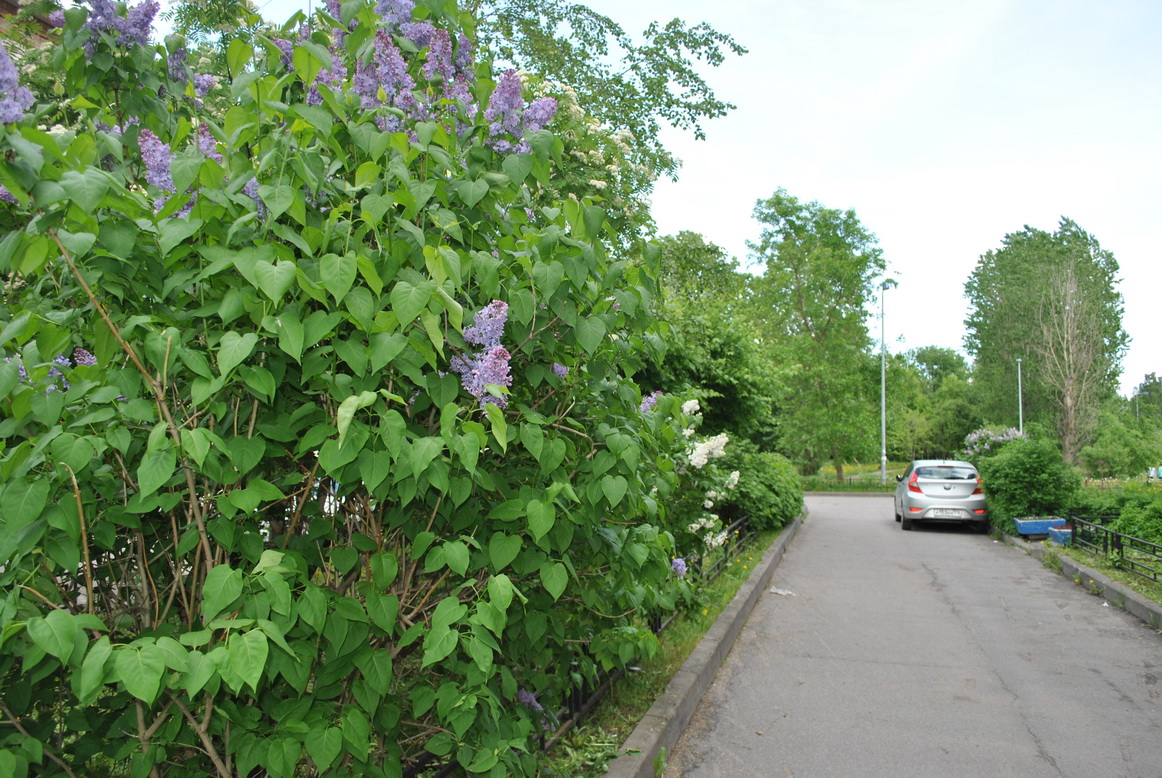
(1125, 552)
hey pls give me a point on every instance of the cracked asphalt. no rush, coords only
(937, 652)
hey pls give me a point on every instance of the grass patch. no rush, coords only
(587, 751)
(1142, 586)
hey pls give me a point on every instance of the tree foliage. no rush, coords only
(623, 83)
(820, 269)
(319, 446)
(1051, 300)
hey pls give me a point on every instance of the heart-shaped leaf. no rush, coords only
(233, 349)
(614, 487)
(274, 280)
(337, 274)
(407, 300)
(554, 577)
(502, 549)
(589, 333)
(472, 192)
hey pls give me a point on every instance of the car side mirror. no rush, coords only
(899, 477)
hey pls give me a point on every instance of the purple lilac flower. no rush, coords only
(439, 60)
(207, 145)
(614, 305)
(560, 370)
(176, 64)
(251, 191)
(203, 83)
(540, 113)
(504, 112)
(157, 158)
(14, 99)
(395, 12)
(5, 195)
(464, 54)
(525, 697)
(56, 19)
(477, 371)
(387, 71)
(333, 78)
(83, 358)
(679, 567)
(419, 33)
(488, 327)
(132, 29)
(139, 23)
(649, 402)
(23, 374)
(287, 48)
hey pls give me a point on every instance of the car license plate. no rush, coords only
(946, 513)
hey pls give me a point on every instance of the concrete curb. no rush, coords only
(1113, 592)
(666, 719)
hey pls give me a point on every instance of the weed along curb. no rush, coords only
(1114, 593)
(664, 722)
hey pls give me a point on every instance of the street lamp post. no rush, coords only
(1020, 401)
(883, 391)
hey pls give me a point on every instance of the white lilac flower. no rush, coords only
(688, 432)
(732, 480)
(711, 448)
(708, 504)
(690, 407)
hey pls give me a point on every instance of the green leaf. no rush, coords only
(23, 502)
(196, 444)
(385, 347)
(86, 189)
(500, 590)
(55, 634)
(614, 487)
(91, 677)
(155, 469)
(456, 556)
(311, 607)
(277, 199)
(375, 207)
(554, 577)
(223, 586)
(338, 274)
(542, 516)
(347, 409)
(502, 549)
(247, 653)
(383, 610)
(324, 745)
(274, 280)
(517, 167)
(533, 438)
(499, 426)
(472, 192)
(407, 300)
(291, 335)
(233, 349)
(589, 332)
(140, 669)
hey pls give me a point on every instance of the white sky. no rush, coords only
(944, 125)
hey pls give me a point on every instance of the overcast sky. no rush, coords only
(944, 125)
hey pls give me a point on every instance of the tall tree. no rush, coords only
(626, 83)
(1050, 299)
(821, 265)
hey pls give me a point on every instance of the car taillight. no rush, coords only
(978, 489)
(912, 486)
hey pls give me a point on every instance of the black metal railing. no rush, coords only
(1126, 552)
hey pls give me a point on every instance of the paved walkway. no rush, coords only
(930, 653)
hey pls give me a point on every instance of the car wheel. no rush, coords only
(905, 524)
(898, 517)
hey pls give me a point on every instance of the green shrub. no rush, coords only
(769, 489)
(1027, 478)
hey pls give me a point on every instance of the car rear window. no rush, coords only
(947, 473)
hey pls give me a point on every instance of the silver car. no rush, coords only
(940, 490)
